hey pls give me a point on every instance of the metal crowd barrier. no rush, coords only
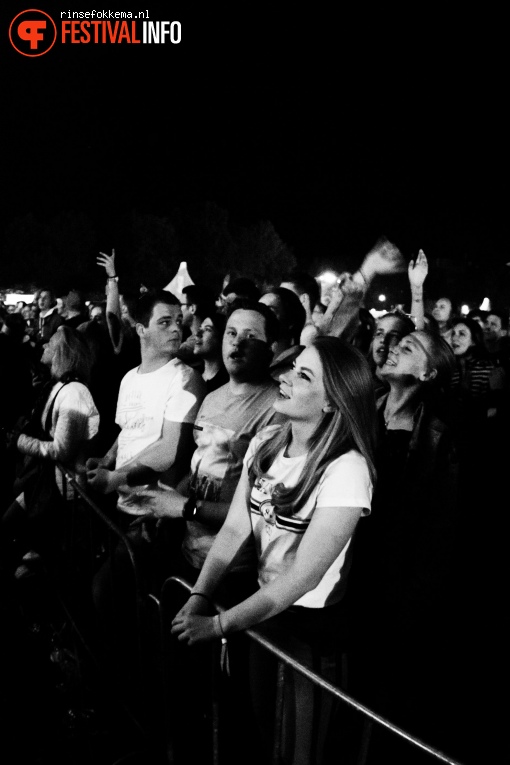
(286, 660)
(98, 519)
(90, 536)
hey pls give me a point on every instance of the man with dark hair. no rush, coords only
(495, 334)
(49, 319)
(197, 305)
(156, 409)
(75, 309)
(306, 288)
(238, 288)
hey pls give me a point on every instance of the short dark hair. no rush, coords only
(474, 328)
(304, 285)
(144, 306)
(202, 297)
(51, 292)
(219, 321)
(295, 314)
(272, 325)
(243, 287)
(503, 315)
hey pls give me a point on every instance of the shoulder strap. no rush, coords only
(47, 422)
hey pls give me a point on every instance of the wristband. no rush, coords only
(218, 629)
(113, 278)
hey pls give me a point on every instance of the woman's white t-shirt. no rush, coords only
(345, 483)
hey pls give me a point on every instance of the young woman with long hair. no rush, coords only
(64, 419)
(303, 489)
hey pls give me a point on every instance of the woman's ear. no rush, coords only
(429, 375)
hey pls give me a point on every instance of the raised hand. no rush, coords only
(343, 307)
(418, 270)
(108, 263)
(384, 258)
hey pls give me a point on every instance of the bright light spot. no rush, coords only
(486, 305)
(11, 298)
(382, 298)
(377, 314)
(464, 309)
(328, 277)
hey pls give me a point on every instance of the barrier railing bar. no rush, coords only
(69, 479)
(325, 685)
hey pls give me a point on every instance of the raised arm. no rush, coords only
(113, 312)
(341, 316)
(383, 259)
(418, 270)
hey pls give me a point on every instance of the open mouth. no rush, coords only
(282, 394)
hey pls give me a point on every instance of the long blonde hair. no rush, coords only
(352, 425)
(72, 359)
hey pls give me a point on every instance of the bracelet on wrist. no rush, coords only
(218, 629)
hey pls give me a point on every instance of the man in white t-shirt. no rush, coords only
(156, 409)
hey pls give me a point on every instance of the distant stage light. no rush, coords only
(382, 298)
(328, 277)
(486, 305)
(464, 309)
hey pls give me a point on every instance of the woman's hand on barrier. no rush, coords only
(195, 605)
(192, 628)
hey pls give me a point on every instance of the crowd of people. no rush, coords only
(314, 470)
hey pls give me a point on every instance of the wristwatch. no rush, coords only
(190, 509)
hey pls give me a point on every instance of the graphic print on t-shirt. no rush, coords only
(261, 503)
(211, 461)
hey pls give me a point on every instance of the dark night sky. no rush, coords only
(336, 130)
